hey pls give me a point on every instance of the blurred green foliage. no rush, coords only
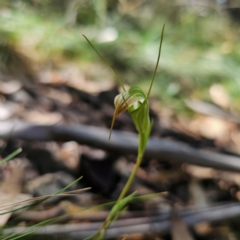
(201, 43)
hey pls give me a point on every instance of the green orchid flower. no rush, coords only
(136, 102)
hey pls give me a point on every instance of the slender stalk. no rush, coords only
(141, 149)
(130, 179)
(158, 59)
(107, 64)
(122, 195)
(125, 189)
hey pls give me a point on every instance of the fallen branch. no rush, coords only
(158, 224)
(122, 142)
(212, 110)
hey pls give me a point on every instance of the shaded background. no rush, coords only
(50, 76)
(201, 45)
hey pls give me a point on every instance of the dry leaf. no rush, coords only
(179, 229)
(10, 188)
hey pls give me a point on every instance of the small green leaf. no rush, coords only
(120, 205)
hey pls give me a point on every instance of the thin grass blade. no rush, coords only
(9, 157)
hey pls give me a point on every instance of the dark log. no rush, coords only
(121, 142)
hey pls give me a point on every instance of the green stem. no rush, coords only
(130, 179)
(127, 185)
(122, 195)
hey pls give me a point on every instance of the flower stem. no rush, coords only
(141, 149)
(127, 185)
(130, 179)
(122, 195)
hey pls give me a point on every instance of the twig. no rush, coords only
(121, 142)
(160, 223)
(212, 110)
